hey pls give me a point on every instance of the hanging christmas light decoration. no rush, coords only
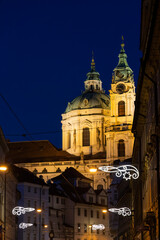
(98, 226)
(21, 210)
(125, 211)
(25, 225)
(126, 171)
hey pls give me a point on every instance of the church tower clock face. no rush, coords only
(120, 88)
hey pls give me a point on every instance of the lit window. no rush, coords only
(79, 227)
(121, 148)
(86, 137)
(121, 108)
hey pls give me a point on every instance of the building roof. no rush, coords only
(24, 175)
(70, 174)
(35, 151)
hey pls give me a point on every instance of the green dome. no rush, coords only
(89, 99)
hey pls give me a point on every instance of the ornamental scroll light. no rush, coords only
(126, 171)
(124, 211)
(21, 210)
(25, 225)
(98, 226)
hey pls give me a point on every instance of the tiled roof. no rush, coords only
(24, 175)
(35, 151)
(70, 173)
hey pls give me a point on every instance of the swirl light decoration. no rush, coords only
(25, 225)
(98, 226)
(126, 171)
(125, 211)
(21, 210)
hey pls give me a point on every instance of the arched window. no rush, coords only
(121, 148)
(69, 139)
(121, 108)
(86, 137)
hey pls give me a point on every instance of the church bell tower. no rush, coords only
(122, 96)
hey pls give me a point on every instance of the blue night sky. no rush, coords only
(45, 54)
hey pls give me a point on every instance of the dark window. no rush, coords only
(97, 231)
(29, 188)
(105, 141)
(121, 108)
(35, 220)
(86, 137)
(102, 201)
(97, 87)
(79, 212)
(103, 215)
(97, 214)
(43, 191)
(85, 228)
(91, 87)
(35, 204)
(57, 200)
(85, 212)
(91, 199)
(35, 190)
(121, 148)
(91, 213)
(57, 213)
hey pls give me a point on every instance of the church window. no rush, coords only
(69, 139)
(86, 137)
(97, 87)
(121, 108)
(105, 141)
(91, 87)
(121, 148)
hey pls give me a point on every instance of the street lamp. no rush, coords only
(3, 168)
(104, 211)
(93, 170)
(39, 210)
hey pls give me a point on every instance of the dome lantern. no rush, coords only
(93, 82)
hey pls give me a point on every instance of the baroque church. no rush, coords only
(96, 129)
(95, 122)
